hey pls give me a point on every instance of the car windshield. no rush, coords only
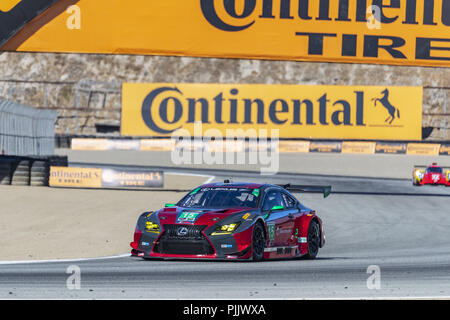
(220, 197)
(434, 170)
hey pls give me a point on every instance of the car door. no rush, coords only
(293, 214)
(279, 224)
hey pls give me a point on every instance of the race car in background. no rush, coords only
(239, 221)
(431, 175)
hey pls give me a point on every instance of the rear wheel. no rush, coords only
(258, 242)
(313, 240)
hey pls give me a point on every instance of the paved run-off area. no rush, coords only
(60, 223)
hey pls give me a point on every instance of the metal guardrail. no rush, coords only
(26, 131)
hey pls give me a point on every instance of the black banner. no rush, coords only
(132, 178)
(325, 146)
(391, 147)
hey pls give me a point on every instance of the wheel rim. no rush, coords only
(313, 240)
(258, 241)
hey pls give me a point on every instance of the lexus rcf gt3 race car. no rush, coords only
(241, 221)
(431, 175)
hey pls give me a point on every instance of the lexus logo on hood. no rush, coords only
(182, 231)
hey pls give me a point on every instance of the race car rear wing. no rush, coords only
(326, 190)
(423, 168)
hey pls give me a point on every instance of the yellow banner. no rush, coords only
(294, 146)
(402, 32)
(314, 112)
(425, 149)
(356, 147)
(75, 177)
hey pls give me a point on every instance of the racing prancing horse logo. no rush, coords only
(392, 110)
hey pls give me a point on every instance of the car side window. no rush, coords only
(273, 198)
(290, 202)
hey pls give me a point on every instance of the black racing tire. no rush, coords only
(258, 242)
(313, 240)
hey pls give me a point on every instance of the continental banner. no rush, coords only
(425, 149)
(246, 110)
(294, 146)
(132, 178)
(445, 150)
(325, 146)
(77, 177)
(391, 147)
(401, 32)
(358, 147)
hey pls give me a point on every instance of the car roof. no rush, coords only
(249, 185)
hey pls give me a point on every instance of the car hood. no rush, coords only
(198, 216)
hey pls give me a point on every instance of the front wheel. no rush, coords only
(258, 242)
(313, 240)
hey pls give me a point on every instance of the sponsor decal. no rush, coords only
(302, 240)
(401, 32)
(313, 112)
(226, 246)
(271, 231)
(246, 216)
(145, 243)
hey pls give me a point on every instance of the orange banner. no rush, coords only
(362, 31)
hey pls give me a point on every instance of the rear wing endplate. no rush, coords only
(326, 190)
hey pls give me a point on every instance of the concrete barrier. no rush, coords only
(284, 146)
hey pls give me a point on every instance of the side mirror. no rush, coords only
(168, 205)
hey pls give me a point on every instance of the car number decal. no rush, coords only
(188, 217)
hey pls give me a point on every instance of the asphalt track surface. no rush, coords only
(400, 229)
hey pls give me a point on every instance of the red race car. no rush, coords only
(431, 175)
(239, 221)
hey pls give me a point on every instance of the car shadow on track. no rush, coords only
(175, 260)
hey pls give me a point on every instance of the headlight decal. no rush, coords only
(151, 227)
(225, 229)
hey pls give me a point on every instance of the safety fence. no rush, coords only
(282, 146)
(26, 131)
